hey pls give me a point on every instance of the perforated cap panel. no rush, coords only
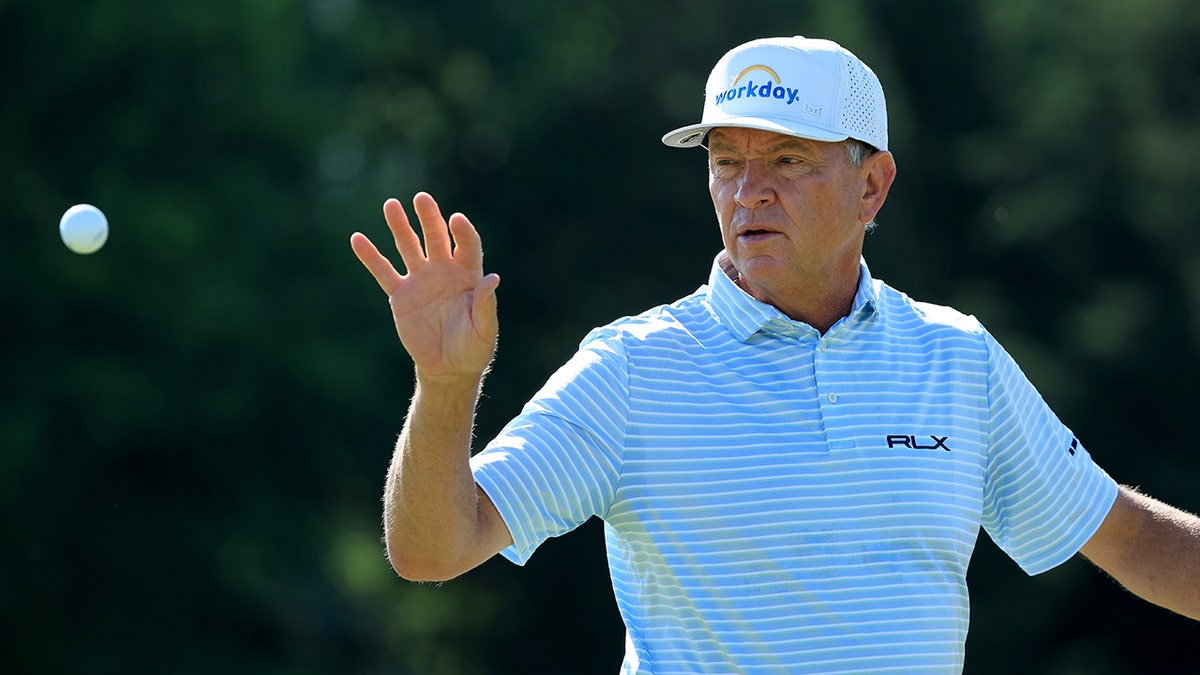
(864, 112)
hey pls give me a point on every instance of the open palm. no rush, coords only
(444, 307)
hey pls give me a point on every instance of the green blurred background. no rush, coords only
(195, 421)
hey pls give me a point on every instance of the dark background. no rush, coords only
(195, 421)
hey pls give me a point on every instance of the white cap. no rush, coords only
(795, 86)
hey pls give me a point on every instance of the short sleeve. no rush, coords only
(558, 463)
(1044, 497)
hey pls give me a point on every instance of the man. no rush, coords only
(792, 463)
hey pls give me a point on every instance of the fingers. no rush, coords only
(438, 235)
(433, 227)
(380, 267)
(468, 248)
(436, 232)
(407, 242)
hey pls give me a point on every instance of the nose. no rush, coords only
(753, 188)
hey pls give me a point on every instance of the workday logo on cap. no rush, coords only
(795, 86)
(772, 88)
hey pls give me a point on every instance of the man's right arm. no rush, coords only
(437, 523)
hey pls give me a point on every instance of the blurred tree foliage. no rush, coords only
(195, 421)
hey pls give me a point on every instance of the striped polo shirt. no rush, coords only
(776, 500)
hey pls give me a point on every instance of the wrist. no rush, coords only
(450, 384)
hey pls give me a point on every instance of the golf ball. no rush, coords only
(83, 228)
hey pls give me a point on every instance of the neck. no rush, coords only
(820, 302)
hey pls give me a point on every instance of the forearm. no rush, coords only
(430, 510)
(1156, 556)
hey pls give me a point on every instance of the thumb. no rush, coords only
(483, 305)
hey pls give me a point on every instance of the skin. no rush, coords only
(1152, 549)
(437, 522)
(792, 215)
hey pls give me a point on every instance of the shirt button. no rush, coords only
(832, 397)
(821, 345)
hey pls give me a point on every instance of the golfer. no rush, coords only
(793, 462)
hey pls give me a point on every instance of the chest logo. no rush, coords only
(906, 441)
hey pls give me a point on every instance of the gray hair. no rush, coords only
(857, 151)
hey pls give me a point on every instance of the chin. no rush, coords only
(760, 269)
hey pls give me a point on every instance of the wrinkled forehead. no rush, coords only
(758, 140)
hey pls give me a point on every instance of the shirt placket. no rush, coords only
(833, 397)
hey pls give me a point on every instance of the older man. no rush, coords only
(793, 462)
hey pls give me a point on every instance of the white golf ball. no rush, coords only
(83, 228)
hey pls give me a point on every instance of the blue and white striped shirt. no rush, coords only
(776, 500)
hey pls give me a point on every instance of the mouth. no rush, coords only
(752, 234)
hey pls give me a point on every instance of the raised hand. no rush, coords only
(444, 307)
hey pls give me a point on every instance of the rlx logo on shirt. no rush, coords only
(905, 441)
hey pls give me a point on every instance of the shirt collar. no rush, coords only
(744, 316)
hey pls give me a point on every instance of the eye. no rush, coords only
(724, 167)
(796, 165)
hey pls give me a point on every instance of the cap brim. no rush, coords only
(692, 135)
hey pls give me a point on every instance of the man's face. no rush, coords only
(789, 208)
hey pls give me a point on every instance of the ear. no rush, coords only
(879, 170)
